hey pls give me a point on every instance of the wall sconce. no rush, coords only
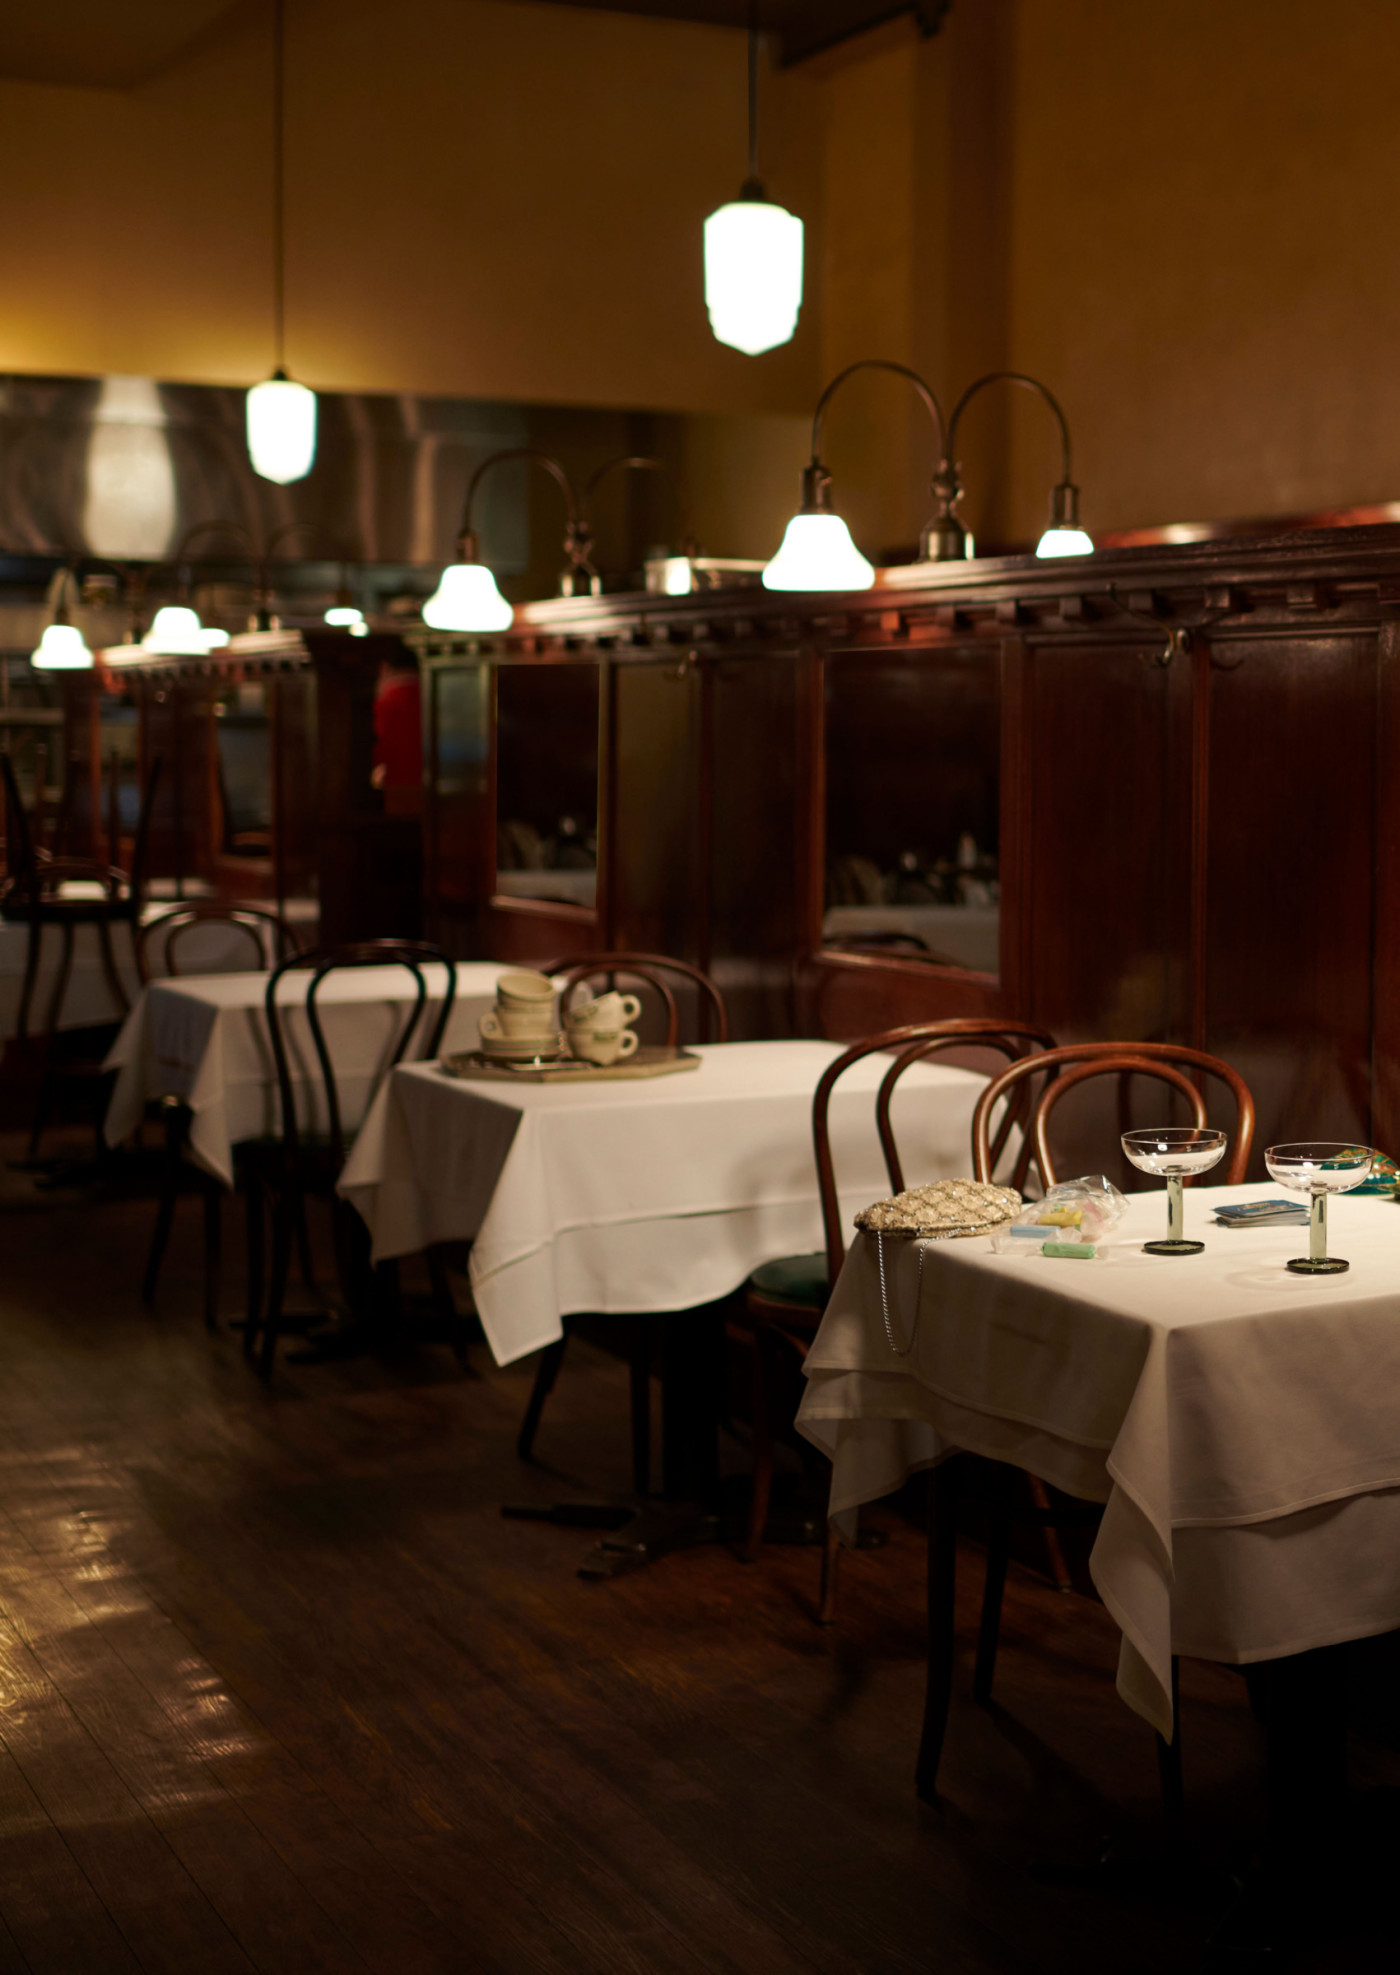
(753, 252)
(948, 540)
(467, 598)
(62, 648)
(817, 552)
(345, 614)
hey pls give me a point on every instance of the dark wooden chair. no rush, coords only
(650, 970)
(269, 938)
(33, 894)
(1062, 1071)
(785, 1300)
(300, 1164)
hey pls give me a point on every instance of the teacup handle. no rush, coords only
(488, 1025)
(627, 1043)
(631, 1009)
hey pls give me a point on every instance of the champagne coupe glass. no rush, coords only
(1318, 1167)
(1175, 1152)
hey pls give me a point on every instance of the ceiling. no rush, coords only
(800, 27)
(97, 45)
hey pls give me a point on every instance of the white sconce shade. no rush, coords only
(1064, 541)
(753, 274)
(467, 600)
(61, 649)
(345, 617)
(818, 554)
(281, 429)
(677, 576)
(177, 632)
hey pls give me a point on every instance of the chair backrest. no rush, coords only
(1064, 1069)
(322, 961)
(140, 849)
(914, 1043)
(651, 969)
(266, 932)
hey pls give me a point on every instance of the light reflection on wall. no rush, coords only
(130, 504)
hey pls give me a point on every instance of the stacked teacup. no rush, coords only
(521, 1028)
(597, 1027)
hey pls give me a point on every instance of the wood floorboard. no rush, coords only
(283, 1691)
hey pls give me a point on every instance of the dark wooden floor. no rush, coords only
(280, 1690)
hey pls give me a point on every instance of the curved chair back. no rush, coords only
(266, 932)
(1064, 1069)
(322, 961)
(914, 1043)
(651, 969)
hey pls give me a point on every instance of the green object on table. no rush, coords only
(1076, 1251)
(1383, 1179)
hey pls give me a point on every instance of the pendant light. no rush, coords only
(753, 252)
(281, 413)
(62, 648)
(817, 552)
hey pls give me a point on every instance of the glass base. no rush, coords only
(1328, 1265)
(1174, 1248)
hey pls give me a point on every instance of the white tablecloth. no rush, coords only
(631, 1197)
(1242, 1424)
(214, 948)
(204, 1039)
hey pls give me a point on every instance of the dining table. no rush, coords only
(1239, 1423)
(634, 1196)
(204, 1040)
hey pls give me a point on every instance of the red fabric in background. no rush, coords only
(398, 731)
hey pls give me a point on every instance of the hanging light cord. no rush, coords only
(753, 184)
(278, 184)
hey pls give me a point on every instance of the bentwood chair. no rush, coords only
(657, 971)
(303, 1164)
(784, 1300)
(40, 891)
(1061, 1071)
(268, 938)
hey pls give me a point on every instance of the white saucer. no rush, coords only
(514, 1048)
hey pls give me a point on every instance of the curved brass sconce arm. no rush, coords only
(816, 480)
(640, 463)
(947, 538)
(577, 542)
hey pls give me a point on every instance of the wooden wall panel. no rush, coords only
(1292, 877)
(655, 872)
(459, 821)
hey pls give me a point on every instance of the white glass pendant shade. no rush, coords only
(281, 429)
(753, 274)
(1064, 541)
(61, 649)
(345, 617)
(467, 600)
(818, 554)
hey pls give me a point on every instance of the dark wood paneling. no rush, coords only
(1291, 877)
(459, 821)
(655, 869)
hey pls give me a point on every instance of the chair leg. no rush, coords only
(1055, 1556)
(43, 1103)
(989, 1632)
(31, 975)
(1169, 1755)
(942, 1583)
(213, 1251)
(546, 1372)
(308, 1267)
(109, 966)
(256, 1231)
(639, 1393)
(282, 1220)
(446, 1305)
(762, 1442)
(165, 1210)
(831, 1559)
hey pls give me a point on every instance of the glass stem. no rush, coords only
(1317, 1229)
(1176, 1214)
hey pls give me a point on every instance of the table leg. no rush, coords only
(942, 1582)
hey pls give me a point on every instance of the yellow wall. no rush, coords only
(484, 200)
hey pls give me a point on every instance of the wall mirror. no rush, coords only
(547, 783)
